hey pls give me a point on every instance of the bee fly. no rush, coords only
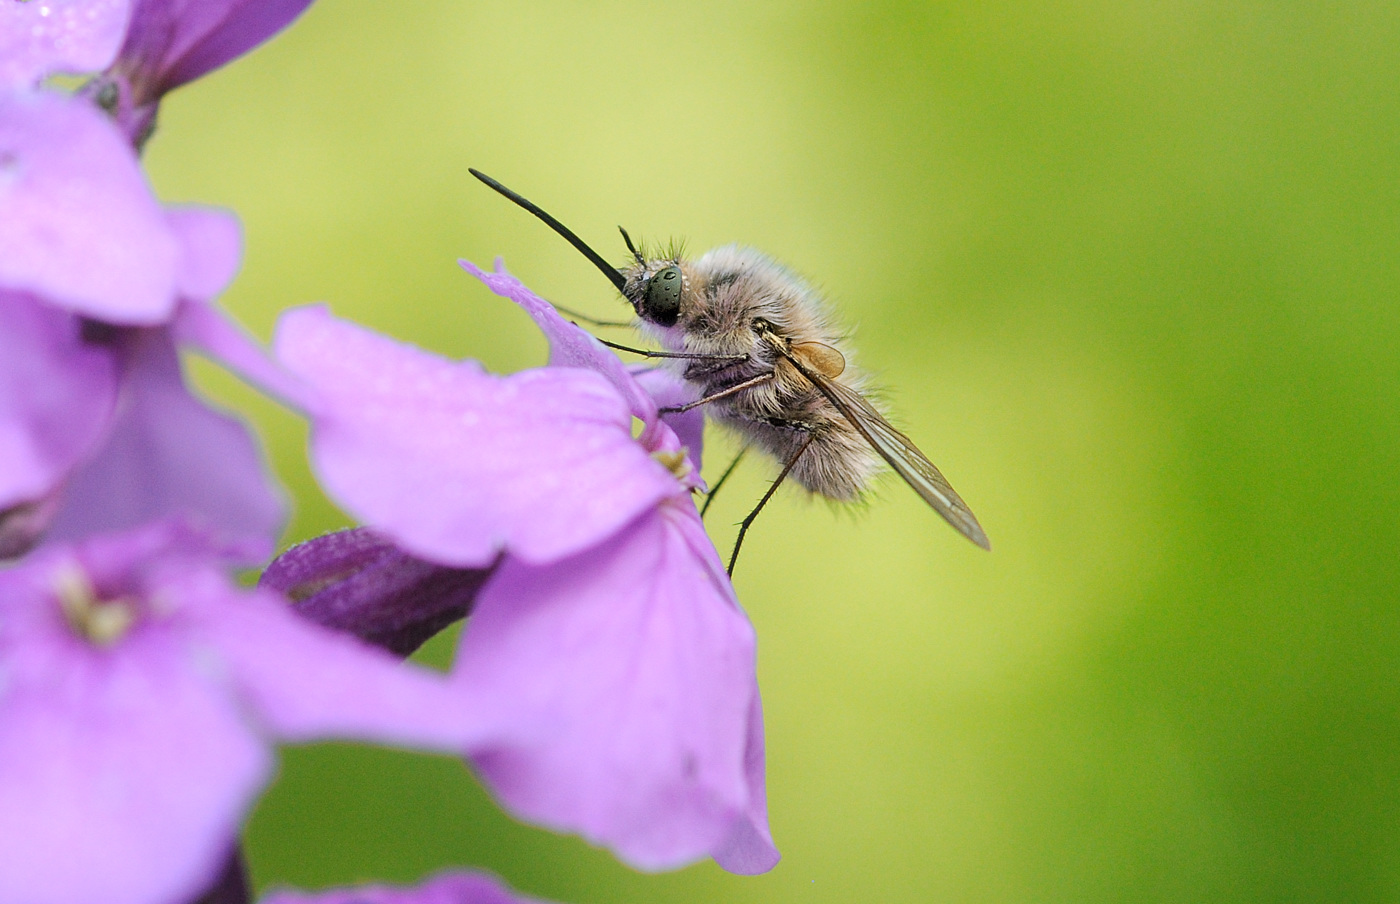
(754, 342)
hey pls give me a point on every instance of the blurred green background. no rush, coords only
(1130, 273)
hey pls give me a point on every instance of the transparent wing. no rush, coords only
(905, 457)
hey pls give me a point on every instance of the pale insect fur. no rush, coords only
(758, 346)
(726, 294)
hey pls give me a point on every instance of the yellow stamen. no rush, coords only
(678, 463)
(100, 622)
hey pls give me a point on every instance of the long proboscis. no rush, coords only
(612, 273)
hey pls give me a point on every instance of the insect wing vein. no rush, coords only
(902, 455)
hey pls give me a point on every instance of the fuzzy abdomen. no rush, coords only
(835, 464)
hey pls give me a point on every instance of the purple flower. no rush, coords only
(619, 685)
(445, 888)
(96, 426)
(38, 39)
(165, 452)
(144, 48)
(608, 661)
(456, 464)
(92, 274)
(57, 393)
(172, 42)
(140, 692)
(79, 227)
(644, 388)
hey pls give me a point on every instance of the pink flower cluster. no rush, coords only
(605, 681)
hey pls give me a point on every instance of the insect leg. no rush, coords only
(723, 393)
(592, 321)
(710, 496)
(744, 526)
(687, 355)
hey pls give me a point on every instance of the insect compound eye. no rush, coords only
(662, 304)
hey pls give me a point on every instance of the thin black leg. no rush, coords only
(594, 321)
(723, 393)
(710, 496)
(687, 355)
(744, 527)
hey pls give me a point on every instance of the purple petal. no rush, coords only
(172, 42)
(132, 760)
(211, 244)
(617, 690)
(53, 36)
(133, 748)
(749, 848)
(57, 393)
(445, 888)
(78, 224)
(170, 454)
(211, 332)
(569, 344)
(455, 464)
(307, 683)
(358, 582)
(668, 390)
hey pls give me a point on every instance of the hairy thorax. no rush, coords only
(737, 301)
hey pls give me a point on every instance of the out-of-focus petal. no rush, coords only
(569, 344)
(617, 691)
(307, 683)
(171, 42)
(210, 241)
(138, 692)
(206, 329)
(455, 464)
(211, 244)
(38, 39)
(358, 582)
(57, 393)
(169, 454)
(79, 226)
(308, 568)
(133, 761)
(445, 888)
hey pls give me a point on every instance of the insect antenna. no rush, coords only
(744, 525)
(612, 273)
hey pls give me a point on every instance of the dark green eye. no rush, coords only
(662, 304)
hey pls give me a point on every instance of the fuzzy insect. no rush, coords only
(756, 343)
